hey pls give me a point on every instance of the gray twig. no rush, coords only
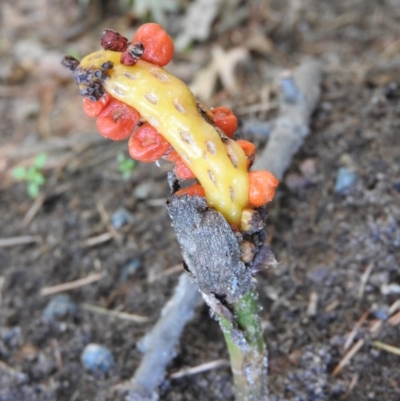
(159, 344)
(300, 92)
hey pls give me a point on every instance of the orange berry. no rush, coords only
(158, 45)
(262, 185)
(182, 171)
(147, 145)
(171, 155)
(193, 190)
(225, 120)
(94, 108)
(249, 150)
(117, 120)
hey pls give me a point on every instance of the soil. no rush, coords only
(338, 253)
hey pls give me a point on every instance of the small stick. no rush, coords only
(159, 344)
(171, 270)
(387, 347)
(346, 359)
(353, 333)
(394, 320)
(312, 304)
(2, 281)
(23, 240)
(394, 307)
(71, 285)
(57, 354)
(98, 239)
(299, 96)
(199, 368)
(31, 213)
(364, 280)
(353, 382)
(120, 315)
(106, 220)
(332, 306)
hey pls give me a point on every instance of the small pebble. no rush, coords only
(120, 217)
(97, 358)
(13, 337)
(345, 179)
(59, 308)
(392, 288)
(144, 190)
(381, 312)
(131, 267)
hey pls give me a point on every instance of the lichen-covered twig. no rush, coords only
(300, 92)
(160, 343)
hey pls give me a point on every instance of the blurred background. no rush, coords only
(74, 207)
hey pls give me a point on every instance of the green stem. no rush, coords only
(247, 350)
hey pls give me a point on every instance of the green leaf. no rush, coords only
(19, 173)
(33, 190)
(38, 179)
(40, 161)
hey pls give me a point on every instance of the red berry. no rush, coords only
(158, 45)
(171, 155)
(182, 171)
(147, 145)
(193, 190)
(93, 109)
(117, 120)
(225, 120)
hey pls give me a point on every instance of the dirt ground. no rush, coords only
(338, 278)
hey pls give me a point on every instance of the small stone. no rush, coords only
(131, 267)
(345, 179)
(144, 190)
(59, 308)
(120, 217)
(13, 337)
(392, 288)
(381, 312)
(97, 358)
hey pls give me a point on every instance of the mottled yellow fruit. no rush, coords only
(168, 105)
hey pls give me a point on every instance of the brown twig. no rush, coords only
(171, 270)
(71, 285)
(98, 239)
(353, 333)
(113, 313)
(364, 280)
(106, 220)
(32, 211)
(57, 354)
(23, 240)
(346, 359)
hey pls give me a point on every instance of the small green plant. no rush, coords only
(32, 175)
(125, 166)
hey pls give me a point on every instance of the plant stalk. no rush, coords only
(247, 350)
